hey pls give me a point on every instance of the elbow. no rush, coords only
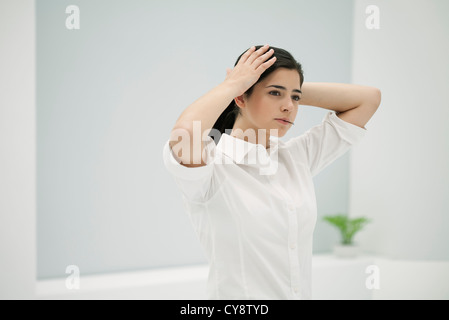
(186, 128)
(371, 98)
(375, 97)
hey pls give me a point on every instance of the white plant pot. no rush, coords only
(346, 250)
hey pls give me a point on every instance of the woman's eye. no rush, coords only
(277, 93)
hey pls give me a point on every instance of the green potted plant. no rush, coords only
(348, 228)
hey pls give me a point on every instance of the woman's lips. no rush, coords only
(284, 122)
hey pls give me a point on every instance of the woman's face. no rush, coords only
(277, 96)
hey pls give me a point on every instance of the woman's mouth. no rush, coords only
(284, 122)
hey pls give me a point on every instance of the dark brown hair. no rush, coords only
(283, 60)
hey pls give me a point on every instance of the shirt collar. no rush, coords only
(243, 152)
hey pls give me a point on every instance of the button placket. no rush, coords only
(292, 237)
(293, 252)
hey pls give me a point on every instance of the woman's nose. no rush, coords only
(288, 105)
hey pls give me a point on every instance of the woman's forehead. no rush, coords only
(283, 77)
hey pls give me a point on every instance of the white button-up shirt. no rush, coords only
(254, 209)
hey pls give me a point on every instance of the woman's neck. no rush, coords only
(250, 134)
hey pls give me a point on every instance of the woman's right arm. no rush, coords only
(186, 136)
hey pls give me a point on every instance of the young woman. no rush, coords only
(250, 195)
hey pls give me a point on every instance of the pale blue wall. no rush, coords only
(108, 95)
(401, 172)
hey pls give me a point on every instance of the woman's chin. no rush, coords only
(278, 133)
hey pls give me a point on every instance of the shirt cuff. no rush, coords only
(347, 131)
(183, 172)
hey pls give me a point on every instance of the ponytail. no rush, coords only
(225, 121)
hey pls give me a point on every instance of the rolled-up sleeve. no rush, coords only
(324, 143)
(193, 182)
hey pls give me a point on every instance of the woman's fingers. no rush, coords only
(264, 57)
(256, 54)
(250, 66)
(245, 56)
(264, 66)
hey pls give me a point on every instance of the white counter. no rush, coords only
(333, 278)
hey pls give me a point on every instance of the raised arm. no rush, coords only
(204, 112)
(355, 104)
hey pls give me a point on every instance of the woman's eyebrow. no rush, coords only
(283, 88)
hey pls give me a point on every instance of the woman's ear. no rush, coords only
(239, 101)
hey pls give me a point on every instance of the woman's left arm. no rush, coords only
(353, 103)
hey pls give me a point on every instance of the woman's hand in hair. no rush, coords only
(249, 68)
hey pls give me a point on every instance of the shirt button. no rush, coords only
(292, 245)
(291, 207)
(295, 289)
